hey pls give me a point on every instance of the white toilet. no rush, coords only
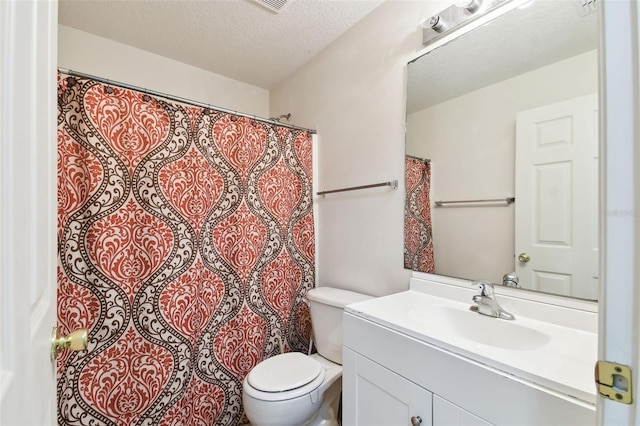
(294, 389)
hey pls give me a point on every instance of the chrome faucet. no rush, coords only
(486, 304)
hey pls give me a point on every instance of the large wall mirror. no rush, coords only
(506, 110)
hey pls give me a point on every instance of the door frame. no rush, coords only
(619, 302)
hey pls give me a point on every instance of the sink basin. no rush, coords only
(479, 328)
(558, 357)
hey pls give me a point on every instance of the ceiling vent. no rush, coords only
(586, 7)
(276, 6)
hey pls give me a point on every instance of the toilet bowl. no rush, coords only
(294, 389)
(296, 403)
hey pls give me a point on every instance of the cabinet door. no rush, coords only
(446, 413)
(383, 398)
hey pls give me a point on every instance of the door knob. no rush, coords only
(416, 420)
(524, 257)
(76, 341)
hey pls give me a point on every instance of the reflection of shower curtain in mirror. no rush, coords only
(418, 242)
(186, 246)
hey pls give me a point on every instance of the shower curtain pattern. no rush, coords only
(418, 240)
(186, 246)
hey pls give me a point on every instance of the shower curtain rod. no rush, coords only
(179, 99)
(426, 160)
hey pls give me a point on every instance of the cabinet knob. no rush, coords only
(416, 420)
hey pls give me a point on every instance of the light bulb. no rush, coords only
(435, 23)
(469, 5)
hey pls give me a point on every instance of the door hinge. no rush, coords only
(614, 381)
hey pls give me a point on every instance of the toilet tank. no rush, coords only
(326, 305)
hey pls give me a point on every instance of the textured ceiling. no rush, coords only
(239, 39)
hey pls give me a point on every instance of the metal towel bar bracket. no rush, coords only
(507, 200)
(393, 184)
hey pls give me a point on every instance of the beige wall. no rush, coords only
(90, 54)
(353, 94)
(476, 160)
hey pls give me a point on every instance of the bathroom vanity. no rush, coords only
(422, 357)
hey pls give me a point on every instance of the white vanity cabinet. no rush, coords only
(390, 377)
(378, 396)
(446, 413)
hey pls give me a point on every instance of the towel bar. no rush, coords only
(393, 183)
(507, 200)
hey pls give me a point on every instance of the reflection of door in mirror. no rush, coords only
(471, 141)
(462, 101)
(556, 213)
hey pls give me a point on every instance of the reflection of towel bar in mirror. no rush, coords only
(393, 183)
(507, 200)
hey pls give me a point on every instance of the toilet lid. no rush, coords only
(284, 372)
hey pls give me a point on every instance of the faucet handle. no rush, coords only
(510, 280)
(485, 288)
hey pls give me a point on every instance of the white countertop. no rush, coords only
(555, 357)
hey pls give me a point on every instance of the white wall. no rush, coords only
(353, 94)
(476, 161)
(90, 54)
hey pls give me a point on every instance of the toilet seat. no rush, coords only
(284, 376)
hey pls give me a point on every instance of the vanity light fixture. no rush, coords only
(455, 16)
(435, 23)
(526, 4)
(470, 6)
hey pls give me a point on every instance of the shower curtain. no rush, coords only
(418, 241)
(186, 246)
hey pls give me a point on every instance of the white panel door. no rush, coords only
(556, 198)
(383, 398)
(28, 46)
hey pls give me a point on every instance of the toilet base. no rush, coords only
(327, 415)
(319, 408)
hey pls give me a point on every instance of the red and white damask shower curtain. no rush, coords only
(186, 246)
(418, 234)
